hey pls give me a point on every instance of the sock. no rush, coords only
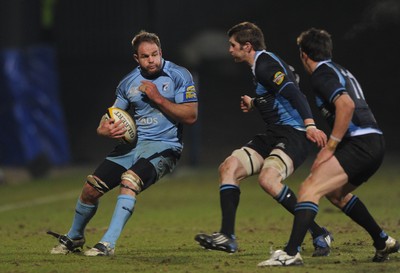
(123, 211)
(304, 215)
(287, 198)
(83, 214)
(359, 213)
(229, 201)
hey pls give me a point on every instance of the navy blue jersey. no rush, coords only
(175, 83)
(279, 99)
(329, 81)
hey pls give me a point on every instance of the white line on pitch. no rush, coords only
(40, 201)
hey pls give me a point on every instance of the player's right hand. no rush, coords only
(110, 128)
(246, 103)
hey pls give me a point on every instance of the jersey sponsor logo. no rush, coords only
(190, 94)
(278, 78)
(148, 120)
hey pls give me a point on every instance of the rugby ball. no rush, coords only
(130, 125)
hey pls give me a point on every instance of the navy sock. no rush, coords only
(304, 215)
(287, 198)
(359, 213)
(229, 201)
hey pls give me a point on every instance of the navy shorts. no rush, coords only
(150, 160)
(291, 141)
(361, 156)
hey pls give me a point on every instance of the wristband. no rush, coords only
(310, 126)
(335, 138)
(252, 103)
(333, 142)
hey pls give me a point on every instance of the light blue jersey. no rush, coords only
(175, 83)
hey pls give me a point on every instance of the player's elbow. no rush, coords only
(190, 116)
(191, 119)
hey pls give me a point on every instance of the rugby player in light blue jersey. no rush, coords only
(161, 97)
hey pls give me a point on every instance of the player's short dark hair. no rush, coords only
(316, 43)
(248, 32)
(144, 36)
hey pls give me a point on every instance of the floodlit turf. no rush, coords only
(160, 235)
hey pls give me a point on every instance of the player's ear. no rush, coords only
(303, 55)
(247, 46)
(135, 57)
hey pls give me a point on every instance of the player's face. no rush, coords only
(149, 57)
(237, 51)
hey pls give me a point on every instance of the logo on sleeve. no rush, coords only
(190, 94)
(278, 78)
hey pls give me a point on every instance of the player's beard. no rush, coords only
(153, 73)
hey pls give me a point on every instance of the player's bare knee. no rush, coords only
(90, 195)
(132, 182)
(229, 165)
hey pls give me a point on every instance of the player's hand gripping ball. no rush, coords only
(130, 125)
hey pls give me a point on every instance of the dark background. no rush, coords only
(92, 40)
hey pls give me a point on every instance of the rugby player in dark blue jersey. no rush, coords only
(279, 150)
(162, 97)
(353, 153)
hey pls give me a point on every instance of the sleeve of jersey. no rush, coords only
(275, 77)
(121, 101)
(185, 89)
(297, 99)
(327, 84)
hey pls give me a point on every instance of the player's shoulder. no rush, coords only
(131, 76)
(174, 70)
(326, 70)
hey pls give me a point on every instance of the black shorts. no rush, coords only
(361, 156)
(291, 141)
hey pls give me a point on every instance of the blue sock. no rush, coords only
(123, 211)
(83, 214)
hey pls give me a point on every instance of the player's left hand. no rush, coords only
(150, 89)
(317, 136)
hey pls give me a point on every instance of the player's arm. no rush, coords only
(344, 109)
(299, 101)
(343, 115)
(184, 112)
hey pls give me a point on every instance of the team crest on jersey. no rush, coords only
(165, 86)
(190, 94)
(278, 78)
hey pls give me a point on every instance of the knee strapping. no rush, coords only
(248, 159)
(136, 184)
(97, 183)
(280, 162)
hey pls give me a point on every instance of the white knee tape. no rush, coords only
(135, 180)
(280, 161)
(248, 159)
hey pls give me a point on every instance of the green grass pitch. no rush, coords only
(159, 237)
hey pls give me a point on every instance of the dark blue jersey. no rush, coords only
(329, 81)
(279, 99)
